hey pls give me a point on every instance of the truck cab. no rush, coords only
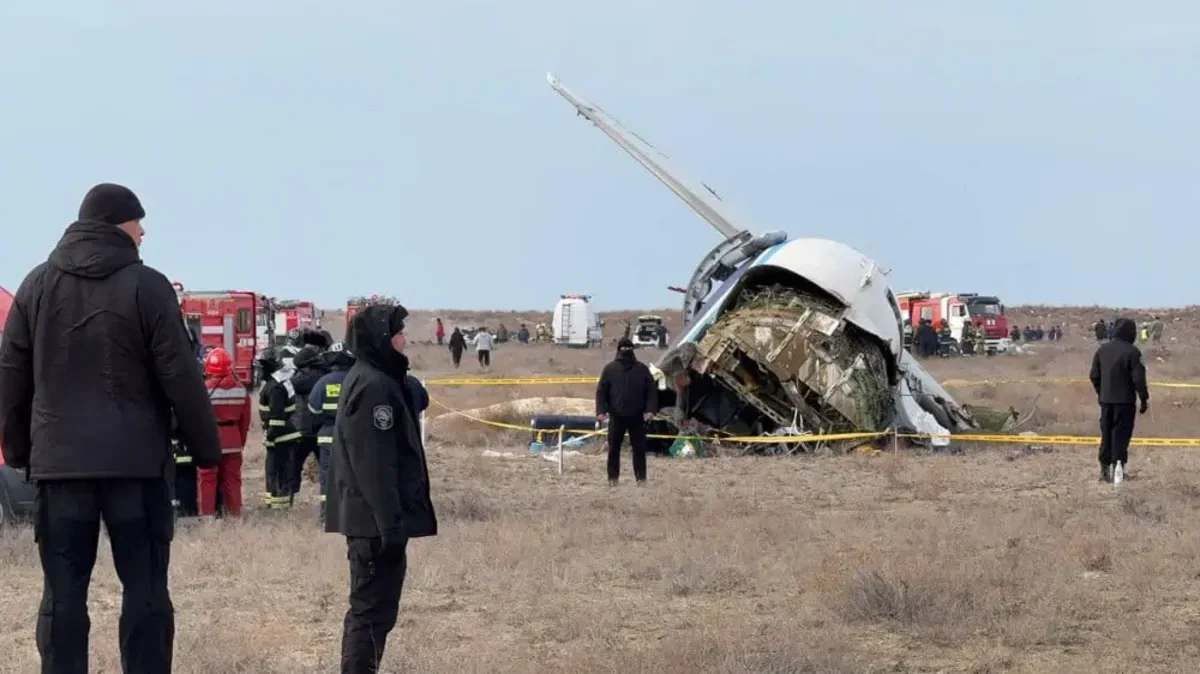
(984, 311)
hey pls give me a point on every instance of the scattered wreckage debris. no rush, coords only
(787, 337)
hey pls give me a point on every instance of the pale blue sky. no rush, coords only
(1043, 151)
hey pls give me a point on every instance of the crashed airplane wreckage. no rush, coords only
(799, 337)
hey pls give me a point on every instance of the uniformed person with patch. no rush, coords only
(378, 483)
(276, 403)
(323, 405)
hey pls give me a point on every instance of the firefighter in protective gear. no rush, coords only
(184, 497)
(231, 407)
(323, 405)
(276, 403)
(310, 367)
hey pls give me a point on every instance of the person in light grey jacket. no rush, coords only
(483, 346)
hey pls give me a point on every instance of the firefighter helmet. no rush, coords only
(309, 355)
(218, 363)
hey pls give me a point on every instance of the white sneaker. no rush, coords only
(1118, 473)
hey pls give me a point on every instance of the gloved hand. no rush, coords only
(1145, 406)
(392, 546)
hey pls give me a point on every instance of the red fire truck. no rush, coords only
(361, 302)
(293, 315)
(226, 319)
(986, 312)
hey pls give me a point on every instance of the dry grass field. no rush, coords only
(992, 559)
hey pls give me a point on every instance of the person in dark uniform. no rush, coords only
(310, 367)
(1119, 377)
(276, 403)
(626, 397)
(94, 360)
(323, 405)
(378, 483)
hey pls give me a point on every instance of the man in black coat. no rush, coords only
(626, 397)
(95, 358)
(1119, 377)
(378, 495)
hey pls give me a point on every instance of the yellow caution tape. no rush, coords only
(838, 437)
(510, 381)
(539, 381)
(1059, 380)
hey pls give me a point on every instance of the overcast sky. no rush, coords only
(1041, 151)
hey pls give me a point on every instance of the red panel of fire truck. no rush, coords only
(226, 319)
(293, 315)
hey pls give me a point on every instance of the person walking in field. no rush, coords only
(458, 344)
(483, 347)
(95, 358)
(1119, 377)
(626, 397)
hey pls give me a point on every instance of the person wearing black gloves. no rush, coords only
(95, 358)
(378, 484)
(1119, 377)
(626, 397)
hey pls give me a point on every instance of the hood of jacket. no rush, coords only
(94, 249)
(373, 330)
(1125, 330)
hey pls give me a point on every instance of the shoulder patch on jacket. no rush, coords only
(383, 416)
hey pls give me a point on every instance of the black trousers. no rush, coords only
(140, 524)
(485, 357)
(456, 356)
(187, 503)
(278, 471)
(636, 428)
(303, 448)
(375, 586)
(1116, 430)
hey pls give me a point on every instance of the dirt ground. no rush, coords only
(990, 560)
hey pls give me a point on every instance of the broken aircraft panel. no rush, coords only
(798, 336)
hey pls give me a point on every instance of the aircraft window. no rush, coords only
(243, 320)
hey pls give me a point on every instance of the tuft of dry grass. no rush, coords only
(913, 562)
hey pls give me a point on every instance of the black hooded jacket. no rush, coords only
(626, 387)
(95, 358)
(1118, 374)
(378, 478)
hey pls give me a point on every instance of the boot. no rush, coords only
(1105, 473)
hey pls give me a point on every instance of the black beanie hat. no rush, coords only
(114, 204)
(396, 319)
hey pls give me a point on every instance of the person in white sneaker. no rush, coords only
(1119, 377)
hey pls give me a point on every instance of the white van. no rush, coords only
(575, 323)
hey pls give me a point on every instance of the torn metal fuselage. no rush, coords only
(783, 336)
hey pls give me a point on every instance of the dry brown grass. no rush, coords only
(986, 561)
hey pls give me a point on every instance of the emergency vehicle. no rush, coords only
(293, 315)
(986, 312)
(576, 323)
(645, 333)
(225, 319)
(16, 493)
(354, 304)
